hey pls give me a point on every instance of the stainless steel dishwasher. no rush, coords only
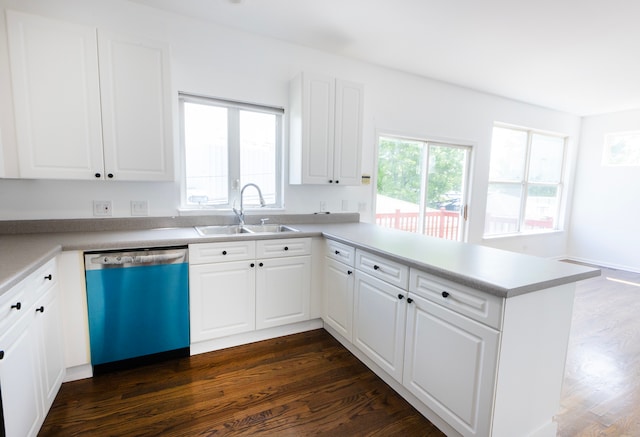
(138, 305)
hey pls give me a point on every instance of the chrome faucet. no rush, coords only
(240, 214)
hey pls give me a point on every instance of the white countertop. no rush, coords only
(494, 271)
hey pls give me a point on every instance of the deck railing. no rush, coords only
(439, 223)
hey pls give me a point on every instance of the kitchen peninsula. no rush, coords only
(496, 322)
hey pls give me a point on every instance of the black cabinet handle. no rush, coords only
(17, 306)
(349, 272)
(445, 294)
(40, 310)
(224, 252)
(97, 175)
(330, 181)
(1, 355)
(337, 252)
(400, 296)
(110, 175)
(376, 267)
(261, 264)
(337, 182)
(252, 265)
(286, 247)
(409, 300)
(49, 277)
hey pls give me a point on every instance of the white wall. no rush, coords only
(219, 62)
(606, 205)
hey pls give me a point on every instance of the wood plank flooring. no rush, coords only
(305, 384)
(308, 384)
(601, 388)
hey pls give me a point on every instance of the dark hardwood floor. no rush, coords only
(308, 384)
(305, 384)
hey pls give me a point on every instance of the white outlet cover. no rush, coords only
(102, 208)
(139, 208)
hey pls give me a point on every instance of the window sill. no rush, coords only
(522, 234)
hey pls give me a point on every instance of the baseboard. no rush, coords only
(253, 336)
(601, 263)
(78, 372)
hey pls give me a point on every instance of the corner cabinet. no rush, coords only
(89, 104)
(325, 141)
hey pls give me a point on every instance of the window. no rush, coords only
(622, 149)
(227, 145)
(525, 181)
(422, 186)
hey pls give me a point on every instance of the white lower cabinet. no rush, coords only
(379, 314)
(338, 298)
(31, 351)
(238, 287)
(450, 363)
(222, 299)
(282, 291)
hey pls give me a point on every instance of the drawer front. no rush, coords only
(382, 268)
(341, 252)
(482, 307)
(43, 278)
(283, 247)
(13, 304)
(222, 252)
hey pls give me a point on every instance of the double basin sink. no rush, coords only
(211, 231)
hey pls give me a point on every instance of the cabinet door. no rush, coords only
(222, 299)
(19, 379)
(282, 291)
(348, 133)
(54, 69)
(50, 344)
(136, 108)
(450, 365)
(378, 322)
(338, 297)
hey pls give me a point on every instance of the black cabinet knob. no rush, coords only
(337, 182)
(1, 355)
(349, 272)
(97, 175)
(110, 175)
(224, 252)
(330, 181)
(400, 296)
(376, 267)
(49, 277)
(252, 265)
(17, 306)
(409, 300)
(261, 264)
(286, 247)
(337, 252)
(445, 294)
(40, 310)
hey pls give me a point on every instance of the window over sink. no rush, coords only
(226, 145)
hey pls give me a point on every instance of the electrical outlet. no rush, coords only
(139, 208)
(362, 206)
(101, 208)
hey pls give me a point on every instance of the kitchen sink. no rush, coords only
(258, 229)
(209, 231)
(225, 230)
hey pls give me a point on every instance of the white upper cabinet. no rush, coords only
(325, 142)
(54, 72)
(136, 108)
(89, 104)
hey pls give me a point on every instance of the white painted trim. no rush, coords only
(78, 372)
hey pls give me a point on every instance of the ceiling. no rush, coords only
(578, 56)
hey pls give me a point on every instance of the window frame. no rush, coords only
(233, 150)
(524, 184)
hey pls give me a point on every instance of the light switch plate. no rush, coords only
(139, 208)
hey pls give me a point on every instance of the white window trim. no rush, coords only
(524, 184)
(234, 188)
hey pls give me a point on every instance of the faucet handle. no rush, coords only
(263, 221)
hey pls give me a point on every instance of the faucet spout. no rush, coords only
(240, 214)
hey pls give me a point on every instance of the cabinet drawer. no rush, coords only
(43, 278)
(383, 268)
(221, 252)
(341, 252)
(482, 307)
(13, 304)
(283, 247)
